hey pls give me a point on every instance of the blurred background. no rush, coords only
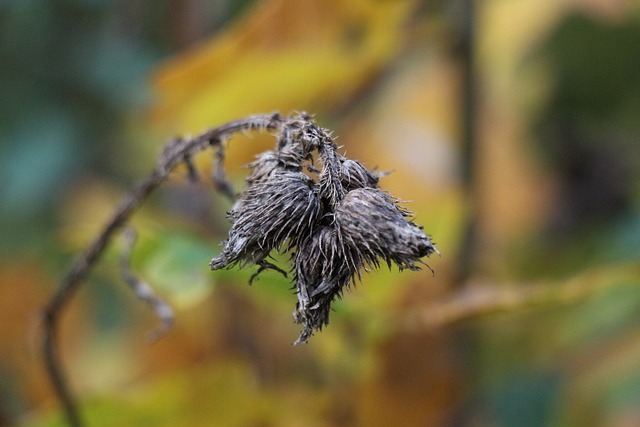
(511, 128)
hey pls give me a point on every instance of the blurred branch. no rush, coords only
(465, 52)
(163, 311)
(482, 299)
(217, 174)
(176, 152)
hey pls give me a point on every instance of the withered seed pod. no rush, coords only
(370, 221)
(284, 206)
(322, 271)
(336, 220)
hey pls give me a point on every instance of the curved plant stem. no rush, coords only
(175, 152)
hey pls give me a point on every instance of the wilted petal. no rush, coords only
(323, 268)
(269, 213)
(370, 221)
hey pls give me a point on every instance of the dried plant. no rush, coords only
(334, 221)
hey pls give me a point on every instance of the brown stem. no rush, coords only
(175, 152)
(143, 291)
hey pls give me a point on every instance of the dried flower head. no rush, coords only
(335, 221)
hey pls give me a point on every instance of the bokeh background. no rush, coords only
(511, 128)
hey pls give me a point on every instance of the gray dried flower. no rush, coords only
(337, 221)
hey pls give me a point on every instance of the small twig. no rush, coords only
(266, 265)
(162, 310)
(173, 154)
(217, 174)
(478, 300)
(192, 173)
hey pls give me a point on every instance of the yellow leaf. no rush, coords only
(283, 55)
